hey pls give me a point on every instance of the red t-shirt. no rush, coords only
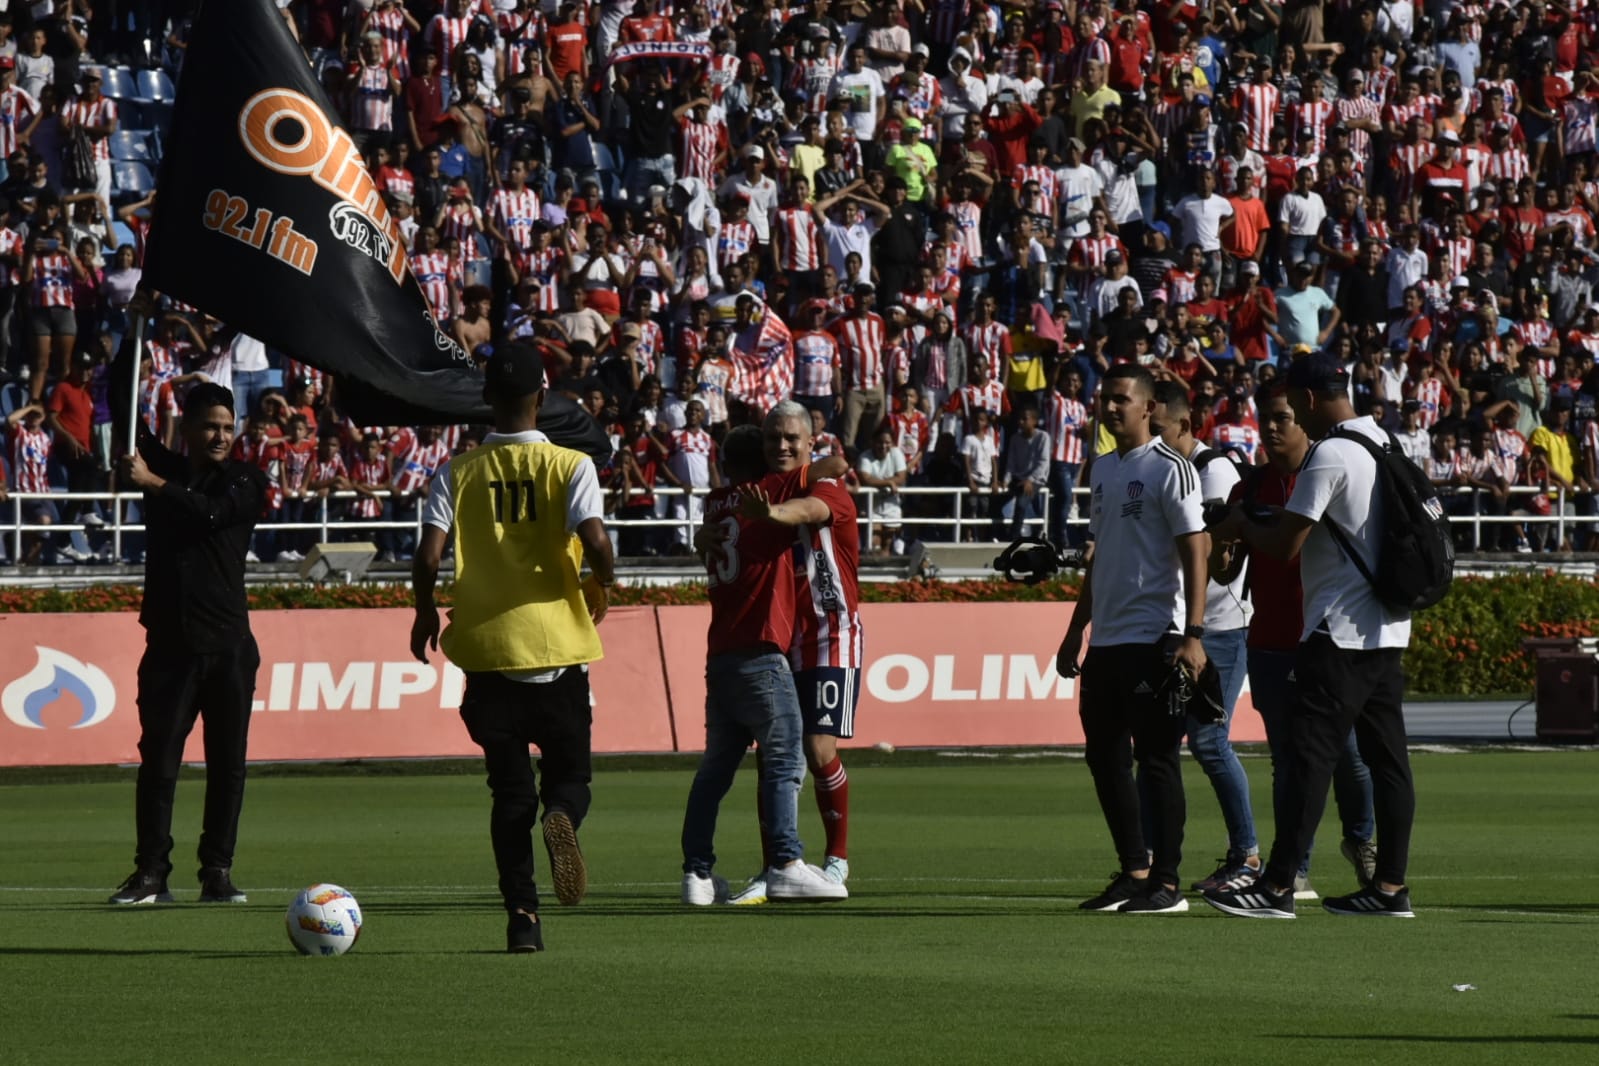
(1273, 584)
(74, 409)
(751, 577)
(566, 42)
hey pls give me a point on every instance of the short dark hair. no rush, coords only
(203, 397)
(1173, 395)
(742, 452)
(1140, 377)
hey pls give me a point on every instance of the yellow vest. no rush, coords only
(518, 604)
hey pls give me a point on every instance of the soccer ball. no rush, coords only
(323, 920)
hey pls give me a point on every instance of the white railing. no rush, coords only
(327, 524)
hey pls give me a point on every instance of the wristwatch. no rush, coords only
(1197, 632)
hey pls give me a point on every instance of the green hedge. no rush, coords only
(1468, 645)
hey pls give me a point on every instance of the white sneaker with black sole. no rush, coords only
(704, 890)
(802, 882)
(1254, 900)
(1370, 903)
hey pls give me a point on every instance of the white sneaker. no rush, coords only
(802, 881)
(251, 557)
(1302, 889)
(704, 891)
(93, 520)
(753, 894)
(290, 556)
(836, 869)
(75, 555)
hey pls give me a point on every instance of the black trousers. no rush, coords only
(1123, 722)
(175, 688)
(503, 717)
(1336, 690)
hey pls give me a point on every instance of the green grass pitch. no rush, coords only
(961, 942)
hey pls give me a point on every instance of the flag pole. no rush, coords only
(139, 319)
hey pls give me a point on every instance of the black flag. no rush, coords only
(268, 219)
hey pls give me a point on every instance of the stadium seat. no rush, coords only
(155, 85)
(131, 178)
(123, 235)
(117, 83)
(131, 144)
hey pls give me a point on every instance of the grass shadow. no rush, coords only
(1406, 1038)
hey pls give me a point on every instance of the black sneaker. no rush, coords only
(571, 877)
(1123, 887)
(1158, 899)
(523, 933)
(1362, 855)
(1228, 872)
(216, 886)
(1254, 900)
(142, 886)
(1370, 903)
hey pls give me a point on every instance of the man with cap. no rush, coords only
(915, 164)
(756, 189)
(200, 658)
(525, 515)
(1444, 175)
(1348, 670)
(95, 115)
(19, 113)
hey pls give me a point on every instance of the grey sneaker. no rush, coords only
(1302, 889)
(1362, 855)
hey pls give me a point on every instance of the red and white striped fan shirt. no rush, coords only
(734, 241)
(1509, 165)
(1350, 108)
(722, 71)
(100, 113)
(860, 344)
(798, 245)
(371, 101)
(17, 109)
(52, 280)
(827, 630)
(328, 469)
(445, 35)
(814, 74)
(30, 459)
(514, 213)
(415, 467)
(991, 341)
(1068, 419)
(164, 360)
(363, 472)
(1315, 117)
(712, 380)
(698, 156)
(1407, 160)
(948, 290)
(1257, 106)
(815, 358)
(1380, 85)
(1240, 436)
(1399, 115)
(433, 274)
(464, 222)
(519, 29)
(968, 398)
(389, 24)
(545, 265)
(1048, 194)
(1456, 254)
(1430, 393)
(1535, 333)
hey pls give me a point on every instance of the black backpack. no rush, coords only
(1415, 553)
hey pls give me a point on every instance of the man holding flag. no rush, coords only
(763, 355)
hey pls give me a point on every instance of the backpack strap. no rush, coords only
(1378, 454)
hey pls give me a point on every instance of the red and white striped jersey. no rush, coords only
(1398, 116)
(860, 344)
(721, 72)
(1406, 161)
(825, 444)
(1182, 286)
(701, 141)
(100, 113)
(1090, 251)
(371, 101)
(798, 246)
(1380, 85)
(968, 226)
(813, 75)
(1349, 108)
(464, 222)
(1047, 192)
(1257, 107)
(519, 30)
(1507, 86)
(52, 280)
(396, 180)
(513, 214)
(734, 241)
(1067, 420)
(691, 456)
(1511, 164)
(1580, 221)
(164, 360)
(910, 435)
(651, 346)
(1456, 254)
(17, 109)
(1488, 466)
(415, 465)
(968, 398)
(946, 19)
(815, 359)
(948, 290)
(1315, 117)
(923, 98)
(712, 380)
(293, 371)
(30, 459)
(1430, 393)
(445, 34)
(1588, 342)
(1238, 436)
(294, 460)
(362, 472)
(328, 469)
(433, 274)
(389, 24)
(1535, 333)
(545, 265)
(150, 403)
(1512, 449)
(827, 630)
(990, 341)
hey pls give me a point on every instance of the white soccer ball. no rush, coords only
(323, 920)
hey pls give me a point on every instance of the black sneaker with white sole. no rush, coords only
(216, 886)
(1122, 888)
(1157, 900)
(1254, 900)
(142, 886)
(523, 934)
(1370, 903)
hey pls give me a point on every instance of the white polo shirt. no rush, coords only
(1338, 483)
(1226, 608)
(1142, 502)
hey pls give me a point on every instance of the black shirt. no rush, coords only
(653, 123)
(1362, 296)
(198, 530)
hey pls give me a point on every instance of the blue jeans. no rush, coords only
(642, 169)
(611, 162)
(1272, 692)
(749, 696)
(1018, 513)
(248, 386)
(1062, 477)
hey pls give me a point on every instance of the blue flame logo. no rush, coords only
(57, 674)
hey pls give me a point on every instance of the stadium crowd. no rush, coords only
(933, 223)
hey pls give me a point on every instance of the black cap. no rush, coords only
(206, 395)
(1410, 405)
(1318, 372)
(514, 370)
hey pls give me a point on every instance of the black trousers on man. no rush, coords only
(175, 688)
(1335, 690)
(504, 717)
(1123, 721)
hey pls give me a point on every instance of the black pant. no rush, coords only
(503, 717)
(175, 687)
(1336, 690)
(1123, 721)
